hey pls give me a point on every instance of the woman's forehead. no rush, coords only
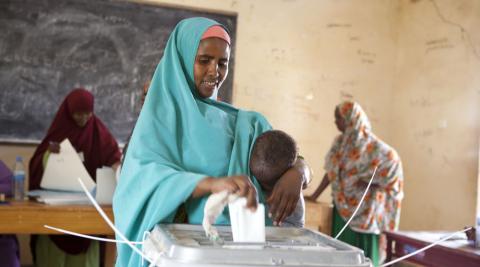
(213, 47)
(82, 113)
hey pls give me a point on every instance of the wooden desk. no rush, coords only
(457, 252)
(28, 217)
(318, 216)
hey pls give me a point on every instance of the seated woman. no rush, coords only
(186, 145)
(349, 165)
(76, 121)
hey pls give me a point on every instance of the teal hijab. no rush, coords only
(178, 140)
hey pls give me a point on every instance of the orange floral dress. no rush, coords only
(350, 164)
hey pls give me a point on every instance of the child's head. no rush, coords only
(273, 153)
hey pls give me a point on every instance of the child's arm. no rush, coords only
(287, 191)
(305, 170)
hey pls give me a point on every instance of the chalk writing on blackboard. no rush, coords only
(111, 48)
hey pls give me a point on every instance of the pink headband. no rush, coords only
(218, 32)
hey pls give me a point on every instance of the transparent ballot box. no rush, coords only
(186, 245)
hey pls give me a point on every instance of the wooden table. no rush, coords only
(28, 217)
(455, 252)
(318, 216)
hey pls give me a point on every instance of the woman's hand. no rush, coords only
(115, 166)
(54, 147)
(313, 198)
(285, 195)
(236, 184)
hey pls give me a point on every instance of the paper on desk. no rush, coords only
(106, 184)
(53, 197)
(247, 226)
(63, 170)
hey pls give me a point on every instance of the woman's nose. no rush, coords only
(213, 69)
(85, 118)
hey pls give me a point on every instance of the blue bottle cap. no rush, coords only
(19, 158)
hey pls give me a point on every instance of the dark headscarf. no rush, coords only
(97, 144)
(94, 140)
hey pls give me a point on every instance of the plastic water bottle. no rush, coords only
(19, 179)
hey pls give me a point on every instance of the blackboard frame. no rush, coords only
(21, 93)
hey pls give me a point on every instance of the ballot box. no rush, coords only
(186, 245)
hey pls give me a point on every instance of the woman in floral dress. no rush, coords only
(349, 165)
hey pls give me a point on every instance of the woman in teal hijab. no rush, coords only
(186, 145)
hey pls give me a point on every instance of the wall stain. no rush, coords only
(366, 57)
(466, 36)
(354, 38)
(437, 44)
(339, 25)
(345, 95)
(421, 102)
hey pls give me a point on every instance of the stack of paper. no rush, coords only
(106, 184)
(54, 197)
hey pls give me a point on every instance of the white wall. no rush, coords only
(436, 123)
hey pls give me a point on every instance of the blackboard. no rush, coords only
(48, 47)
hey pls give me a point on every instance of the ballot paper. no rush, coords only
(63, 170)
(247, 225)
(106, 184)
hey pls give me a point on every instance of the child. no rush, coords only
(273, 153)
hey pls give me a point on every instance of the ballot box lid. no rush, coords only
(186, 245)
